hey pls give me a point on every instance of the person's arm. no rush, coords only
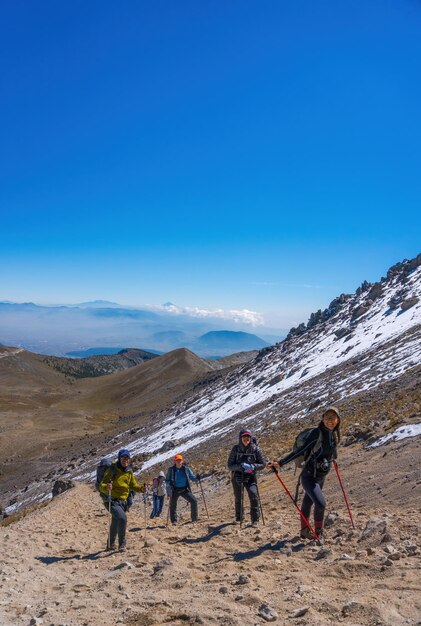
(168, 482)
(261, 460)
(191, 475)
(300, 451)
(134, 485)
(233, 466)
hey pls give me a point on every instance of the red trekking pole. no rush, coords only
(298, 509)
(335, 465)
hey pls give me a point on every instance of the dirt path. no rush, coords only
(54, 567)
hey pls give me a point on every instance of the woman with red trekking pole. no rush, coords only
(315, 448)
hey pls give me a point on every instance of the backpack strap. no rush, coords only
(313, 451)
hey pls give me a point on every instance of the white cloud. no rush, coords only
(240, 316)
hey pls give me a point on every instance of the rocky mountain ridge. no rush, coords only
(341, 358)
(100, 364)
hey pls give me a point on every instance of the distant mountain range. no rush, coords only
(95, 326)
(362, 352)
(224, 342)
(214, 344)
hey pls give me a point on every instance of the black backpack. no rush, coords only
(301, 440)
(102, 467)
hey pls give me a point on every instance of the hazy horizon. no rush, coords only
(221, 156)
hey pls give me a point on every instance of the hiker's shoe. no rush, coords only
(110, 547)
(122, 547)
(319, 533)
(306, 534)
(254, 525)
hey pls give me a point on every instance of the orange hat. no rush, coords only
(178, 457)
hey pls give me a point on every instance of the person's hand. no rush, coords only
(198, 476)
(273, 465)
(109, 487)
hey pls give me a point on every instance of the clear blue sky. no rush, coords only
(235, 154)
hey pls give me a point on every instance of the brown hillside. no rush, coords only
(44, 411)
(145, 386)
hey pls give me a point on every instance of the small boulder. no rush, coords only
(298, 612)
(242, 580)
(331, 519)
(374, 531)
(323, 553)
(267, 613)
(123, 565)
(62, 485)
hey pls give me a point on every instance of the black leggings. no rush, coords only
(313, 486)
(251, 488)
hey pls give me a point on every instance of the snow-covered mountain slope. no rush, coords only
(362, 340)
(356, 344)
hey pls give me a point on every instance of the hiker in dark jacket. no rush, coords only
(115, 488)
(178, 484)
(318, 451)
(244, 461)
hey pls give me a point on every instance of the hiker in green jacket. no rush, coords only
(115, 488)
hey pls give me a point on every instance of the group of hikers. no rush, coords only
(314, 452)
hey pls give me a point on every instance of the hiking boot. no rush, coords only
(122, 547)
(306, 533)
(254, 525)
(111, 547)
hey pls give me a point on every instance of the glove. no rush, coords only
(198, 476)
(248, 468)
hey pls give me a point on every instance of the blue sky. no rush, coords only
(258, 155)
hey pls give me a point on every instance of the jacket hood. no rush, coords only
(161, 474)
(244, 431)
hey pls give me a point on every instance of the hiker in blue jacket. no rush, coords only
(178, 484)
(318, 451)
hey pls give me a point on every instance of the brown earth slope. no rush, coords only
(54, 567)
(145, 386)
(44, 410)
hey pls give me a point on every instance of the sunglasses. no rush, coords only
(245, 437)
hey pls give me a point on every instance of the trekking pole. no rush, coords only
(242, 500)
(109, 519)
(307, 523)
(335, 465)
(203, 495)
(168, 511)
(260, 505)
(146, 521)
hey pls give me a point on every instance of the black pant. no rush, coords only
(118, 520)
(313, 486)
(250, 486)
(187, 495)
